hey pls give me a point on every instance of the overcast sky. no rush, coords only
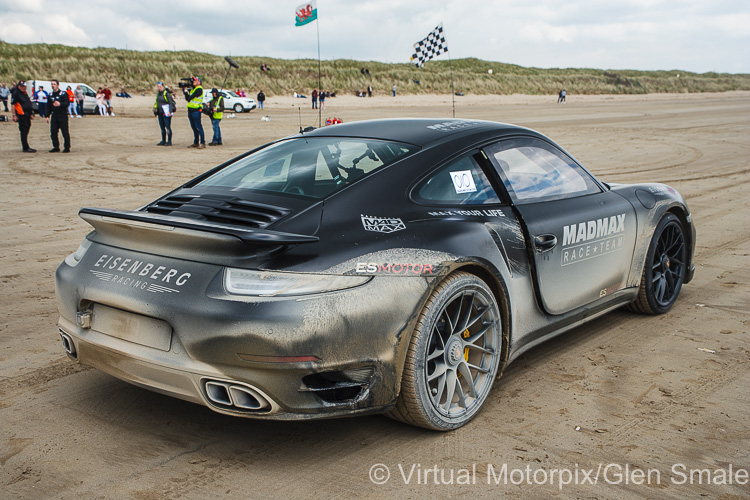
(697, 35)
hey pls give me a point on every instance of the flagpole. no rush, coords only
(453, 91)
(317, 27)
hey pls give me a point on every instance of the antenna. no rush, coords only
(299, 109)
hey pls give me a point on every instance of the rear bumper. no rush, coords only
(329, 355)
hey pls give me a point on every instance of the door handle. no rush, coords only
(545, 242)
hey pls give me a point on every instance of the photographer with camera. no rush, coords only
(216, 108)
(193, 91)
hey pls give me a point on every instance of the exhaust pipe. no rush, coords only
(68, 344)
(235, 396)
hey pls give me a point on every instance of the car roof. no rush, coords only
(418, 131)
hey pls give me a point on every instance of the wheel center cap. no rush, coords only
(454, 352)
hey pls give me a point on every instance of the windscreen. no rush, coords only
(313, 167)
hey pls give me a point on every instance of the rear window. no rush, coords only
(313, 167)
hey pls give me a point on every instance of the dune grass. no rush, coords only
(138, 71)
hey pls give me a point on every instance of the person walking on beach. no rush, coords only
(164, 108)
(217, 108)
(261, 99)
(58, 118)
(194, 98)
(22, 114)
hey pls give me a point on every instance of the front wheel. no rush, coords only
(664, 270)
(238, 108)
(453, 356)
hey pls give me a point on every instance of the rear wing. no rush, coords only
(117, 221)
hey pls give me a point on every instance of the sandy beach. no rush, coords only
(649, 392)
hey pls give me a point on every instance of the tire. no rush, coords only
(238, 108)
(664, 270)
(457, 338)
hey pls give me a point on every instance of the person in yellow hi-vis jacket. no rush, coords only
(217, 108)
(194, 98)
(164, 108)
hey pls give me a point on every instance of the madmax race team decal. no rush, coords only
(591, 239)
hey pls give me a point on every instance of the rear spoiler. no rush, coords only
(100, 218)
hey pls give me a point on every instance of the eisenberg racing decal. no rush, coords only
(382, 224)
(591, 239)
(138, 274)
(393, 268)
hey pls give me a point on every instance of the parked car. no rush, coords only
(231, 101)
(89, 100)
(386, 266)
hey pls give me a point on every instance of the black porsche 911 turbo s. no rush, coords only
(388, 266)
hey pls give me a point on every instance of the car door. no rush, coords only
(580, 235)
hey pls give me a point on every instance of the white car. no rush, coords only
(231, 101)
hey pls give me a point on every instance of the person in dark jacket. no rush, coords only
(58, 102)
(261, 99)
(164, 108)
(22, 113)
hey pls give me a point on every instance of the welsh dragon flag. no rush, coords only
(306, 13)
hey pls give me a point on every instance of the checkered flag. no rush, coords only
(432, 46)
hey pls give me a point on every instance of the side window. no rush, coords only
(533, 170)
(460, 182)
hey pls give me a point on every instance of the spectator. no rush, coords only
(369, 91)
(72, 108)
(315, 99)
(107, 100)
(80, 96)
(40, 96)
(322, 99)
(4, 93)
(100, 102)
(394, 90)
(22, 114)
(261, 99)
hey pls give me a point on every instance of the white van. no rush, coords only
(89, 100)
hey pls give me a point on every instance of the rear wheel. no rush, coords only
(664, 271)
(238, 108)
(453, 356)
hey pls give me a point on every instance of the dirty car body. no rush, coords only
(388, 266)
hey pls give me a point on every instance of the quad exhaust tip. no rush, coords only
(235, 396)
(68, 344)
